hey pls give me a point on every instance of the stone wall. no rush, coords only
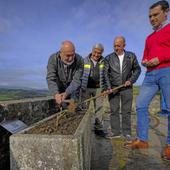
(28, 111)
(33, 110)
(47, 151)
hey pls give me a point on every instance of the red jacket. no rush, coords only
(158, 45)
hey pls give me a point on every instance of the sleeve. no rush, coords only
(136, 69)
(106, 74)
(52, 76)
(145, 53)
(76, 82)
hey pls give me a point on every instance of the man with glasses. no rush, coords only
(64, 71)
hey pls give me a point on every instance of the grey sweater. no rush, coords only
(61, 78)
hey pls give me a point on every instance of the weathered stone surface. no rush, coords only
(106, 154)
(52, 152)
(29, 111)
(110, 154)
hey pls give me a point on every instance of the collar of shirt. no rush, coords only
(121, 57)
(161, 26)
(94, 62)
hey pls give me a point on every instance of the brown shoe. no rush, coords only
(166, 153)
(137, 144)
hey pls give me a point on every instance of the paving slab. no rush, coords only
(110, 154)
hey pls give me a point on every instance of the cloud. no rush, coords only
(23, 77)
(29, 33)
(11, 23)
(103, 20)
(5, 48)
(4, 25)
(106, 18)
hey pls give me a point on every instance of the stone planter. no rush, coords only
(52, 152)
(28, 111)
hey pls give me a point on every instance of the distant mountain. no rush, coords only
(17, 87)
(17, 93)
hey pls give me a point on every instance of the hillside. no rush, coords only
(15, 94)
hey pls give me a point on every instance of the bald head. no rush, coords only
(120, 38)
(67, 52)
(119, 45)
(67, 45)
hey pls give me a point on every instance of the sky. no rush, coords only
(32, 30)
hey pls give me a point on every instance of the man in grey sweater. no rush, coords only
(64, 71)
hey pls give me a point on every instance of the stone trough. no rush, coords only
(37, 149)
(28, 111)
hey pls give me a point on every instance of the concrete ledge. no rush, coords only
(28, 110)
(52, 152)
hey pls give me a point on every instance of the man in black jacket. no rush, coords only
(121, 67)
(64, 71)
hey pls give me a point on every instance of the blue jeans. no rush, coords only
(154, 80)
(162, 106)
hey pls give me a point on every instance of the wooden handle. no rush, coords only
(99, 95)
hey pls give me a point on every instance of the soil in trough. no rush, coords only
(67, 125)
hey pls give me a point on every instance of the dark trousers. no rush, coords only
(98, 103)
(121, 102)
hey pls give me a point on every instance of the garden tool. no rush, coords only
(73, 105)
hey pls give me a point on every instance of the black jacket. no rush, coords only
(130, 69)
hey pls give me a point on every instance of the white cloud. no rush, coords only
(24, 77)
(4, 25)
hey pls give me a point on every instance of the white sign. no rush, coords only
(13, 126)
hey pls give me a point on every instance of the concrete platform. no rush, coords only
(111, 155)
(45, 151)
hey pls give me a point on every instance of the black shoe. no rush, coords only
(100, 133)
(98, 124)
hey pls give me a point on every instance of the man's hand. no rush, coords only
(127, 83)
(154, 62)
(144, 63)
(109, 91)
(151, 63)
(106, 92)
(64, 96)
(58, 98)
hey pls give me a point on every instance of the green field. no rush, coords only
(16, 94)
(5, 97)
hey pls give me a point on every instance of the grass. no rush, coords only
(5, 97)
(136, 90)
(15, 94)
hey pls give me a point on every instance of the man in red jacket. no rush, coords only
(156, 59)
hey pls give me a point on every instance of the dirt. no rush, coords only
(65, 125)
